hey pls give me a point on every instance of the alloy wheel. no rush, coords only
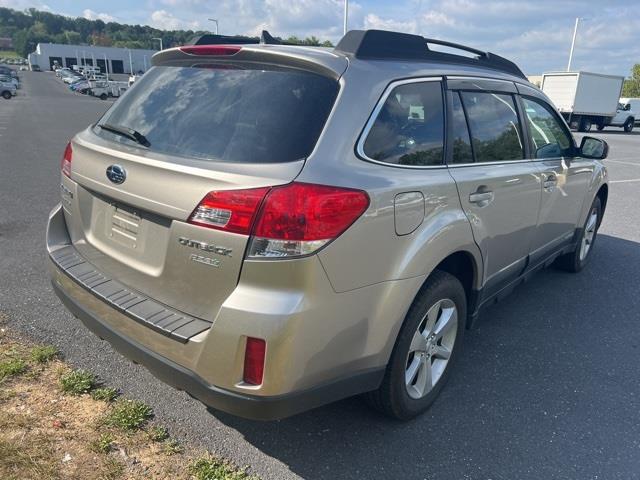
(431, 348)
(589, 234)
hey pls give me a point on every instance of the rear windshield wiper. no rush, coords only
(130, 133)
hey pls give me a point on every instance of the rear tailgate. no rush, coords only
(137, 231)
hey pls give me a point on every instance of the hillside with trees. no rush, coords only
(30, 27)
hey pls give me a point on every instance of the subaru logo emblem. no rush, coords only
(116, 174)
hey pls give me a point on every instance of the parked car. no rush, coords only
(632, 106)
(588, 99)
(10, 79)
(7, 89)
(278, 227)
(61, 71)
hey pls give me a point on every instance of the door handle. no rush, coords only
(550, 180)
(481, 198)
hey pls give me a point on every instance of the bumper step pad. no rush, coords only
(173, 324)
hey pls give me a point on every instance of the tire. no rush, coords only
(441, 299)
(576, 260)
(585, 125)
(600, 127)
(6, 95)
(628, 125)
(103, 96)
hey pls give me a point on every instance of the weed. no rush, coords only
(209, 468)
(113, 469)
(44, 354)
(158, 433)
(128, 415)
(172, 447)
(106, 394)
(77, 382)
(12, 367)
(102, 444)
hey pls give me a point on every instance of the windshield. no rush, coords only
(225, 113)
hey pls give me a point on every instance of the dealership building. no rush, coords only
(111, 59)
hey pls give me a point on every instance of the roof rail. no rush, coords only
(385, 45)
(210, 39)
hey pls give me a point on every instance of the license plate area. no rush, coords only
(124, 226)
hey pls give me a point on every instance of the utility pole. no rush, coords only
(106, 67)
(160, 40)
(130, 63)
(216, 22)
(346, 15)
(573, 43)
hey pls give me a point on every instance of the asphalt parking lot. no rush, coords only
(548, 387)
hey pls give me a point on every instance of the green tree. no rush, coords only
(631, 86)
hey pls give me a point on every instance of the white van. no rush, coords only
(634, 107)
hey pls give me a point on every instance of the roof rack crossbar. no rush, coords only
(386, 45)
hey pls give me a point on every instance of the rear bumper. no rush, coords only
(247, 406)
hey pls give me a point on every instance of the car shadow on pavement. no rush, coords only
(544, 389)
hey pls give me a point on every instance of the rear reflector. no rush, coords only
(229, 210)
(254, 361)
(211, 50)
(286, 221)
(65, 165)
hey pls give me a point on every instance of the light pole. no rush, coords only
(106, 66)
(160, 40)
(346, 15)
(573, 40)
(216, 22)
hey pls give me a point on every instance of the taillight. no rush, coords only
(65, 165)
(229, 210)
(254, 361)
(211, 50)
(287, 221)
(299, 218)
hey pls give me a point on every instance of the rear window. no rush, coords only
(227, 114)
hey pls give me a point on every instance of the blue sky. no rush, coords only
(535, 34)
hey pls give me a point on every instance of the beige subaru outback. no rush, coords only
(271, 227)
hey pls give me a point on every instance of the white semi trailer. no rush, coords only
(588, 99)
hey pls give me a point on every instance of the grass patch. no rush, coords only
(158, 433)
(129, 415)
(44, 353)
(77, 382)
(12, 367)
(102, 444)
(209, 468)
(112, 470)
(19, 460)
(106, 394)
(173, 447)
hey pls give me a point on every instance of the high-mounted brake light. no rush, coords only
(254, 355)
(211, 50)
(65, 165)
(286, 221)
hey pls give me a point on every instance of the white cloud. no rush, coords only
(167, 21)
(91, 15)
(373, 21)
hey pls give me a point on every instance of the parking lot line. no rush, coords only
(631, 180)
(635, 164)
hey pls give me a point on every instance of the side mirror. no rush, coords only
(627, 107)
(591, 147)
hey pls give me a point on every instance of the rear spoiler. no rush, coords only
(248, 50)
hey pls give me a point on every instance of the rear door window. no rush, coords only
(225, 113)
(495, 128)
(409, 129)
